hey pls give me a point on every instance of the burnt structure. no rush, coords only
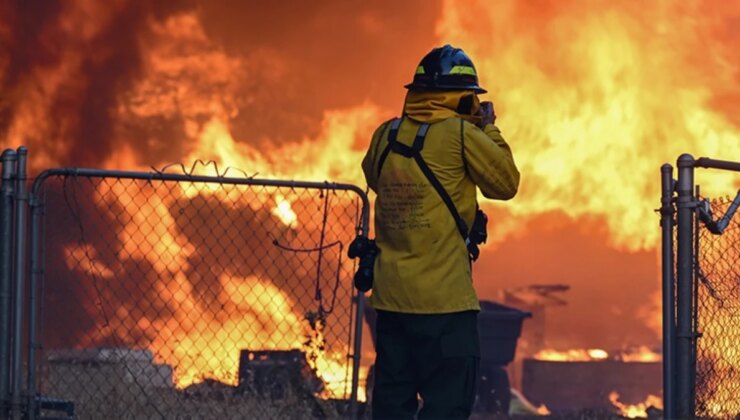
(535, 298)
(578, 385)
(277, 374)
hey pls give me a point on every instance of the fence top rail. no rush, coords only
(163, 176)
(705, 162)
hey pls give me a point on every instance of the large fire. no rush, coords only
(593, 97)
(200, 342)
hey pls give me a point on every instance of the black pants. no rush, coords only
(433, 356)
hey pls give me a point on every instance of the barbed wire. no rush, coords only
(204, 164)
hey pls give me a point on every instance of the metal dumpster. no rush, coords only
(499, 328)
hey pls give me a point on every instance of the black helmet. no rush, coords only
(446, 68)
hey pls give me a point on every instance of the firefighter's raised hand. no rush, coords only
(487, 113)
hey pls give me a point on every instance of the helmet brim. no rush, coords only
(474, 88)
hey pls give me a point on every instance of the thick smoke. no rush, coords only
(609, 288)
(325, 55)
(83, 81)
(70, 64)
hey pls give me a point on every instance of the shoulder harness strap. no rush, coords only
(392, 135)
(415, 152)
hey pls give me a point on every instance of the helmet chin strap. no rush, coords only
(465, 106)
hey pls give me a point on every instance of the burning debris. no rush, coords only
(650, 408)
(535, 299)
(277, 373)
(111, 382)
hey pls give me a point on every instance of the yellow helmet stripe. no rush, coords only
(463, 70)
(420, 70)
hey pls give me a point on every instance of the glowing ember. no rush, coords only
(284, 212)
(641, 354)
(572, 355)
(521, 405)
(638, 410)
(597, 354)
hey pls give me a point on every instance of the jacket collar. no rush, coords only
(434, 106)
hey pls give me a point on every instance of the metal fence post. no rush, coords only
(684, 288)
(667, 212)
(360, 307)
(36, 271)
(6, 264)
(356, 355)
(21, 200)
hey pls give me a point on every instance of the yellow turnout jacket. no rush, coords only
(423, 264)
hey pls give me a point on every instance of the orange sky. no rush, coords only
(592, 96)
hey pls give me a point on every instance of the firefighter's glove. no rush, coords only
(487, 114)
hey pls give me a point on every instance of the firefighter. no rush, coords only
(424, 167)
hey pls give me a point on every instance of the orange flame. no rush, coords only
(638, 410)
(572, 355)
(591, 113)
(198, 342)
(641, 354)
(284, 212)
(591, 96)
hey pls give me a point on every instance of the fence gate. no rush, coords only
(701, 295)
(164, 295)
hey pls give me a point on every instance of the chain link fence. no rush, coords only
(701, 294)
(718, 318)
(196, 297)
